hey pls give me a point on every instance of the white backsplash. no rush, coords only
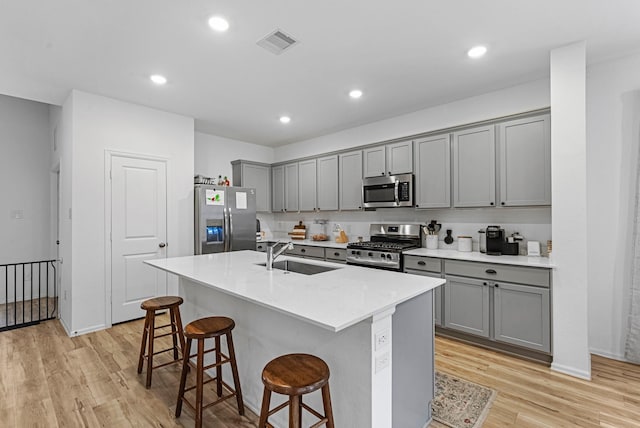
(534, 224)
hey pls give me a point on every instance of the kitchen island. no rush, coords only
(374, 328)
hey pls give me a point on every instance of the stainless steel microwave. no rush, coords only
(388, 192)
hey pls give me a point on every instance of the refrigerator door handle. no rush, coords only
(230, 231)
(227, 225)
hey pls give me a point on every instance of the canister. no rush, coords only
(464, 243)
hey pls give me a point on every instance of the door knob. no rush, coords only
(162, 245)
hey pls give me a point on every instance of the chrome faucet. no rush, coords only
(271, 256)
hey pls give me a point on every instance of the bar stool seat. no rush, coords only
(296, 375)
(151, 306)
(201, 329)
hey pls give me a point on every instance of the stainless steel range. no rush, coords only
(385, 248)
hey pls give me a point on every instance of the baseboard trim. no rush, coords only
(610, 355)
(582, 374)
(86, 330)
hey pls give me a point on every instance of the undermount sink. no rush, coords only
(299, 267)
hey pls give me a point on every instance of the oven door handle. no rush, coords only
(395, 192)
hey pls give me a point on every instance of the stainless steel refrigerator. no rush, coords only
(225, 219)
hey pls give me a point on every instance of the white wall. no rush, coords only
(214, 154)
(612, 160)
(97, 124)
(517, 99)
(569, 216)
(24, 181)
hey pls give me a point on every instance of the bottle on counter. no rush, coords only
(226, 181)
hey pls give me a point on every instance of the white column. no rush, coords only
(569, 210)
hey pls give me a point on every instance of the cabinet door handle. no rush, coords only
(491, 203)
(496, 285)
(501, 203)
(336, 254)
(303, 250)
(421, 263)
(490, 271)
(484, 283)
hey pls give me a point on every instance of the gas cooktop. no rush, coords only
(388, 241)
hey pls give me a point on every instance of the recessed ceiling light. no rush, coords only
(285, 119)
(158, 79)
(356, 93)
(477, 51)
(218, 23)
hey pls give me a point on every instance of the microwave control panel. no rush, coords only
(403, 191)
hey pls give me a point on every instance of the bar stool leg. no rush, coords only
(199, 380)
(152, 329)
(264, 411)
(294, 411)
(326, 402)
(183, 377)
(144, 341)
(172, 320)
(219, 367)
(234, 371)
(180, 331)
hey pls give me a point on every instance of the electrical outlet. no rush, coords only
(381, 339)
(382, 361)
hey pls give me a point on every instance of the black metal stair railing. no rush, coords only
(28, 293)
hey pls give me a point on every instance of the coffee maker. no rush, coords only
(495, 240)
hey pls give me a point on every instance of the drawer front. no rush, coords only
(336, 254)
(306, 251)
(496, 272)
(426, 264)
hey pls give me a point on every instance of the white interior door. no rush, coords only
(138, 233)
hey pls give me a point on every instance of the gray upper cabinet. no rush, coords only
(374, 161)
(291, 187)
(399, 158)
(328, 183)
(524, 147)
(522, 315)
(474, 167)
(307, 181)
(392, 159)
(277, 188)
(467, 305)
(432, 165)
(350, 180)
(257, 176)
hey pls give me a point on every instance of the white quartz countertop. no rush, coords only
(333, 300)
(475, 256)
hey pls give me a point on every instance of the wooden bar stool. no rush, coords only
(201, 329)
(295, 375)
(151, 306)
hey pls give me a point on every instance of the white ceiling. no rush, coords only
(404, 54)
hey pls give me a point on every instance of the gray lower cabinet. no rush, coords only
(306, 251)
(431, 267)
(467, 305)
(522, 316)
(503, 303)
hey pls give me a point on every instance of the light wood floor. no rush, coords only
(48, 379)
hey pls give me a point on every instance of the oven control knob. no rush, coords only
(382, 255)
(370, 254)
(358, 252)
(389, 256)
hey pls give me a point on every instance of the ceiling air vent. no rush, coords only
(277, 42)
